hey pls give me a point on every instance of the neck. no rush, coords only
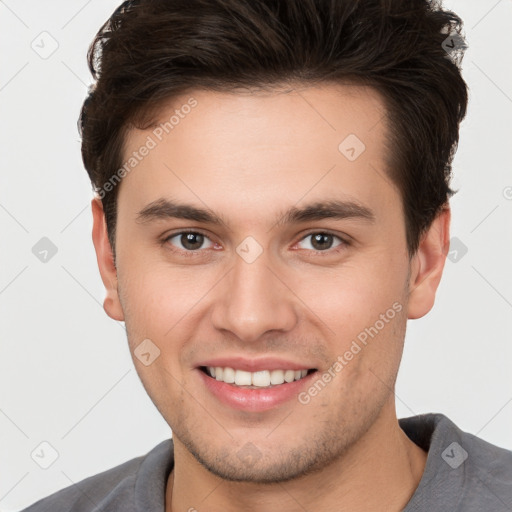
(380, 471)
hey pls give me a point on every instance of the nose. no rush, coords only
(253, 298)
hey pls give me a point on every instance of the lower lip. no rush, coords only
(254, 400)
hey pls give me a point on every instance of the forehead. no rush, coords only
(248, 150)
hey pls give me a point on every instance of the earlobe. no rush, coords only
(105, 258)
(427, 265)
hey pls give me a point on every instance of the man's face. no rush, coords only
(261, 291)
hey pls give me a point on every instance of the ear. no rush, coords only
(105, 257)
(427, 265)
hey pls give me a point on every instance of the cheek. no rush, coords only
(351, 297)
(150, 291)
(156, 308)
(361, 308)
(161, 303)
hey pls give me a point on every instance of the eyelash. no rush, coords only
(343, 245)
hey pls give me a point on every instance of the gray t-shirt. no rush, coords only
(463, 473)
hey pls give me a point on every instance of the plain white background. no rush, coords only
(66, 376)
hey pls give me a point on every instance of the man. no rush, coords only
(272, 206)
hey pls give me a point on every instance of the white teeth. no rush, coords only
(243, 378)
(229, 375)
(261, 379)
(276, 376)
(289, 375)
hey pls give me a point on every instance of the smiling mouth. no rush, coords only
(255, 380)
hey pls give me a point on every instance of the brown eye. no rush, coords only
(188, 240)
(192, 241)
(322, 241)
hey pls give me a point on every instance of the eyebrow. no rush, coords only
(332, 209)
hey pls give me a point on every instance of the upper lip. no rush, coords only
(254, 365)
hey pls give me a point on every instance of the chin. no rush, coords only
(248, 464)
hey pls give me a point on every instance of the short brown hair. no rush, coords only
(150, 51)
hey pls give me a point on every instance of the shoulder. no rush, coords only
(462, 468)
(489, 467)
(113, 489)
(462, 446)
